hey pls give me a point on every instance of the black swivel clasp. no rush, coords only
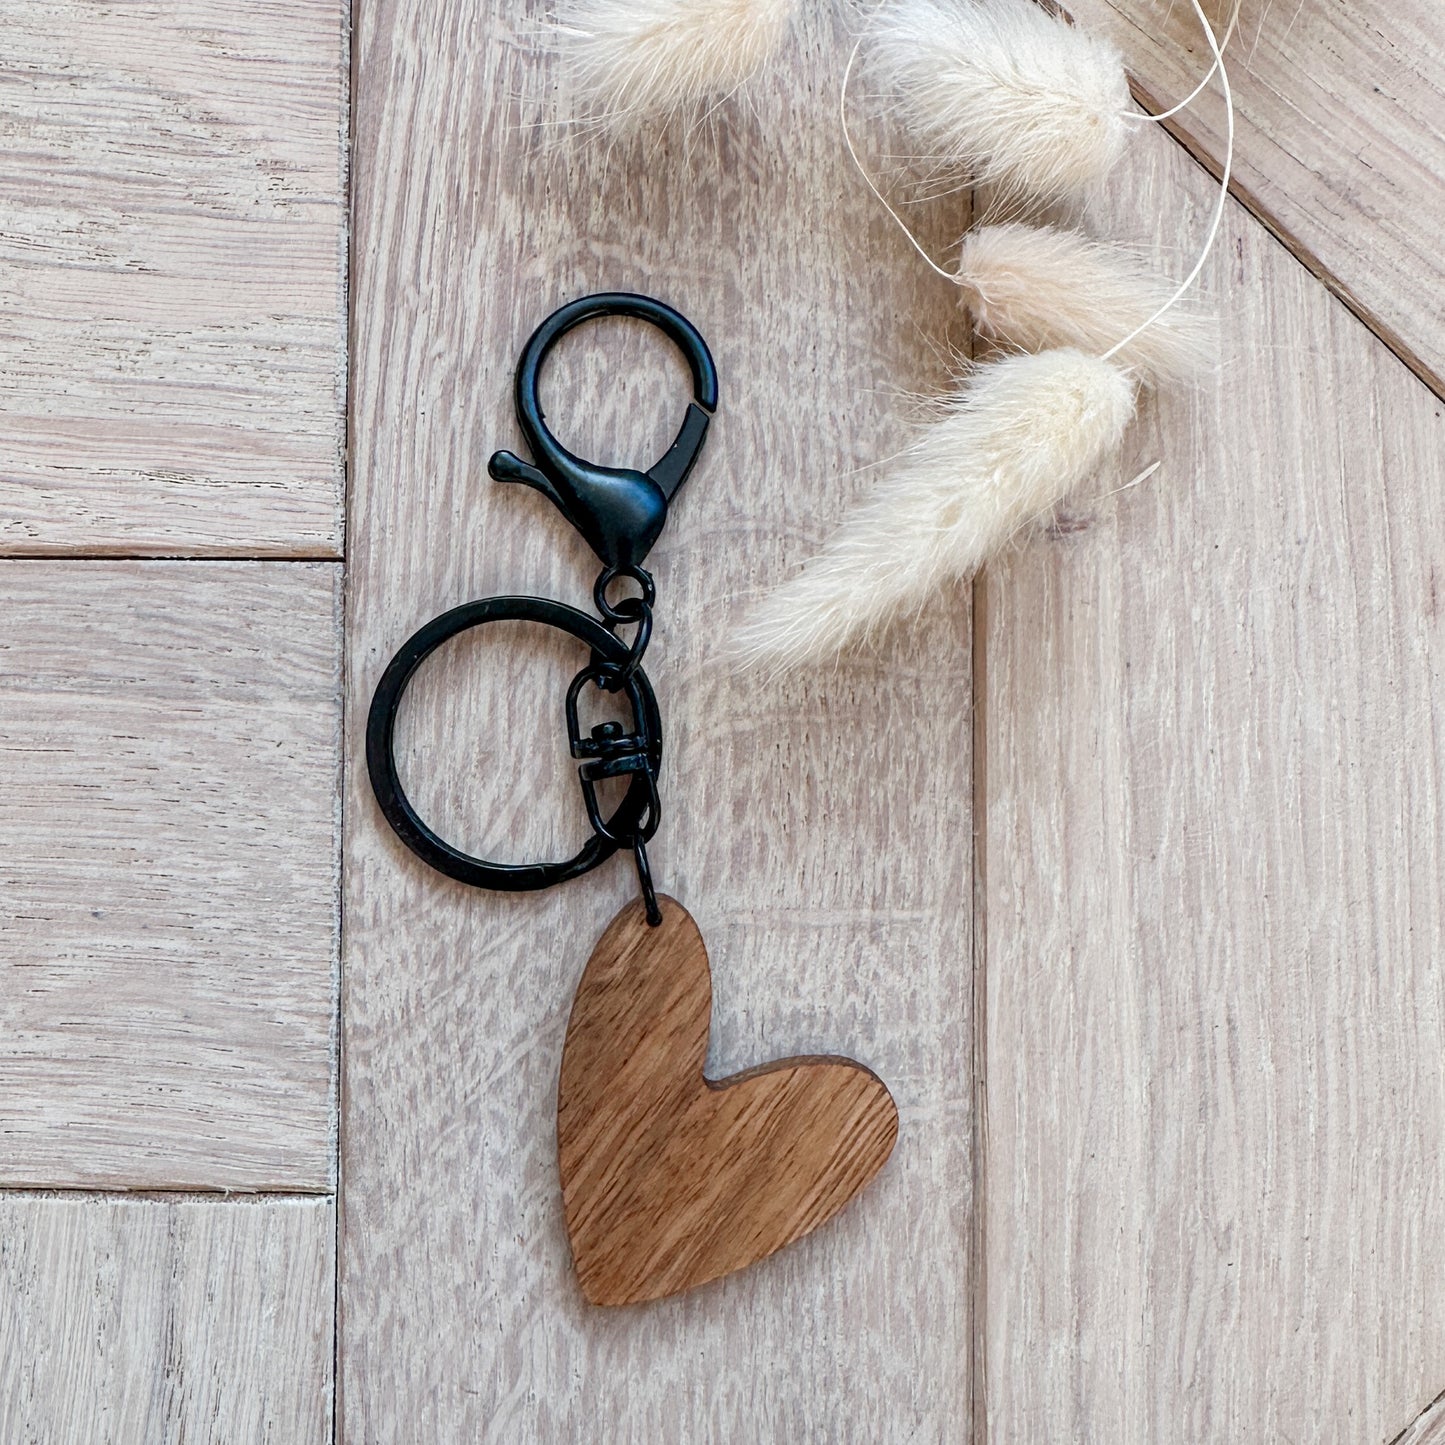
(619, 512)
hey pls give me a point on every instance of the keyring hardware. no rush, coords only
(638, 1121)
(620, 513)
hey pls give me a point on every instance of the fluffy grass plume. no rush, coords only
(1034, 287)
(645, 59)
(1005, 93)
(1017, 437)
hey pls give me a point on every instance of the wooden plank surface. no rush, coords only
(1214, 844)
(165, 1322)
(819, 832)
(171, 263)
(1428, 1428)
(1340, 142)
(169, 741)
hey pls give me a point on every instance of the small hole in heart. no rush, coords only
(481, 743)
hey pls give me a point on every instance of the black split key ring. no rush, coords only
(381, 745)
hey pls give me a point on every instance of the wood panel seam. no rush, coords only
(350, 66)
(1303, 255)
(978, 1051)
(12, 1193)
(202, 558)
(1433, 1405)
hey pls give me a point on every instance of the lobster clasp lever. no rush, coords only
(619, 512)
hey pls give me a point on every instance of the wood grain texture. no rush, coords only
(1340, 146)
(169, 741)
(1214, 847)
(824, 823)
(166, 1322)
(172, 268)
(669, 1179)
(1428, 1428)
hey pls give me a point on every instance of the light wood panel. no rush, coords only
(171, 263)
(819, 833)
(169, 740)
(124, 1321)
(1214, 845)
(1340, 145)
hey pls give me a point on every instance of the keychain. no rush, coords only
(669, 1179)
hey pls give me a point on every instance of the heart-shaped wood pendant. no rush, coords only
(669, 1179)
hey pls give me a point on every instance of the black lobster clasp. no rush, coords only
(619, 512)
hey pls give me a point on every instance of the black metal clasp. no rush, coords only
(619, 512)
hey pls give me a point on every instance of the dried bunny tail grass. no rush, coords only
(1035, 287)
(1004, 92)
(1018, 436)
(634, 59)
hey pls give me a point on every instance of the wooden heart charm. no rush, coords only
(669, 1179)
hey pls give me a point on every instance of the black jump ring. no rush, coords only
(637, 803)
(625, 609)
